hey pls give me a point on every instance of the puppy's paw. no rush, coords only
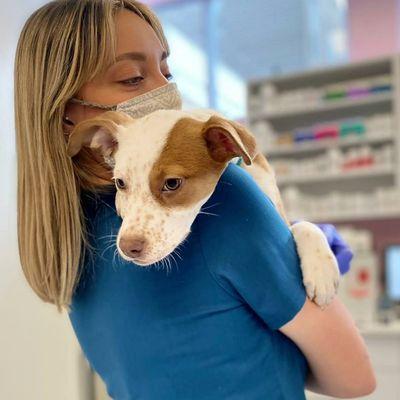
(319, 266)
(320, 278)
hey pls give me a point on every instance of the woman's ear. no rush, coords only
(97, 133)
(228, 139)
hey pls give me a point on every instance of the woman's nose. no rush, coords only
(158, 79)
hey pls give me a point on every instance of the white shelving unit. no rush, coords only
(318, 109)
(265, 106)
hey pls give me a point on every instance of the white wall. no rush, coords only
(39, 356)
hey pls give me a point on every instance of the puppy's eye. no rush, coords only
(119, 183)
(172, 184)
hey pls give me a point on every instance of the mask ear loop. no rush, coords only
(93, 105)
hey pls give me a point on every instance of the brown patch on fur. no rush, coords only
(185, 155)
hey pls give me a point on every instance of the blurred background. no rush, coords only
(317, 81)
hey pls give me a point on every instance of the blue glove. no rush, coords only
(338, 246)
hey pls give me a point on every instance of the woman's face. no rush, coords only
(130, 76)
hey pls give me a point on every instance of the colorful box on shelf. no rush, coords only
(326, 132)
(303, 135)
(329, 131)
(358, 163)
(358, 92)
(360, 88)
(381, 88)
(352, 127)
(335, 95)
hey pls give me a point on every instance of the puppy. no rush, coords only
(167, 164)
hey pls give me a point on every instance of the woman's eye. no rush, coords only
(172, 184)
(119, 183)
(136, 79)
(132, 81)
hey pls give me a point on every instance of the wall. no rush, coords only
(373, 28)
(40, 358)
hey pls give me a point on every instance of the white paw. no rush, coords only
(320, 278)
(318, 263)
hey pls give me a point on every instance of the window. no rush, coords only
(218, 45)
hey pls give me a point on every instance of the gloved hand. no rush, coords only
(338, 246)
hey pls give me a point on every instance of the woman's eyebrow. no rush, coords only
(137, 56)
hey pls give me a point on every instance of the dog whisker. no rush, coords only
(115, 252)
(169, 267)
(101, 201)
(156, 264)
(164, 263)
(177, 250)
(168, 264)
(206, 213)
(108, 247)
(177, 253)
(211, 205)
(172, 256)
(108, 236)
(226, 183)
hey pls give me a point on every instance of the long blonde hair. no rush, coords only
(62, 45)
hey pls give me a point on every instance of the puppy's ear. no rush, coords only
(97, 133)
(228, 139)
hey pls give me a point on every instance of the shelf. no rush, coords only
(351, 216)
(319, 182)
(316, 146)
(380, 329)
(327, 178)
(332, 106)
(326, 74)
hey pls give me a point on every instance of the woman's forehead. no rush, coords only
(134, 34)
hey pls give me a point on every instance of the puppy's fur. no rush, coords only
(166, 166)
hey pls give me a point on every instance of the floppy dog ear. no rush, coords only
(228, 139)
(97, 133)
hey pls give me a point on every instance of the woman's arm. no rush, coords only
(336, 352)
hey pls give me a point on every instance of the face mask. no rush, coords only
(166, 97)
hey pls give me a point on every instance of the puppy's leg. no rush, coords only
(319, 266)
(318, 263)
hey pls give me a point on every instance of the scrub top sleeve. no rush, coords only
(253, 253)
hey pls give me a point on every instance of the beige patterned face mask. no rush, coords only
(166, 97)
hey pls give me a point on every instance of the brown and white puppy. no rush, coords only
(167, 164)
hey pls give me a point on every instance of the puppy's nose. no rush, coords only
(132, 246)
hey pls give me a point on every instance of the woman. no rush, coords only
(229, 322)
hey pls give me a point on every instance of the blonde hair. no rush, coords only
(62, 45)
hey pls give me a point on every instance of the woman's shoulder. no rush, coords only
(241, 199)
(239, 217)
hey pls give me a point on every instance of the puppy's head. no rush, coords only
(165, 167)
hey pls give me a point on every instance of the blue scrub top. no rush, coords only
(207, 329)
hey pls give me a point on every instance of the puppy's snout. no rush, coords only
(132, 247)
